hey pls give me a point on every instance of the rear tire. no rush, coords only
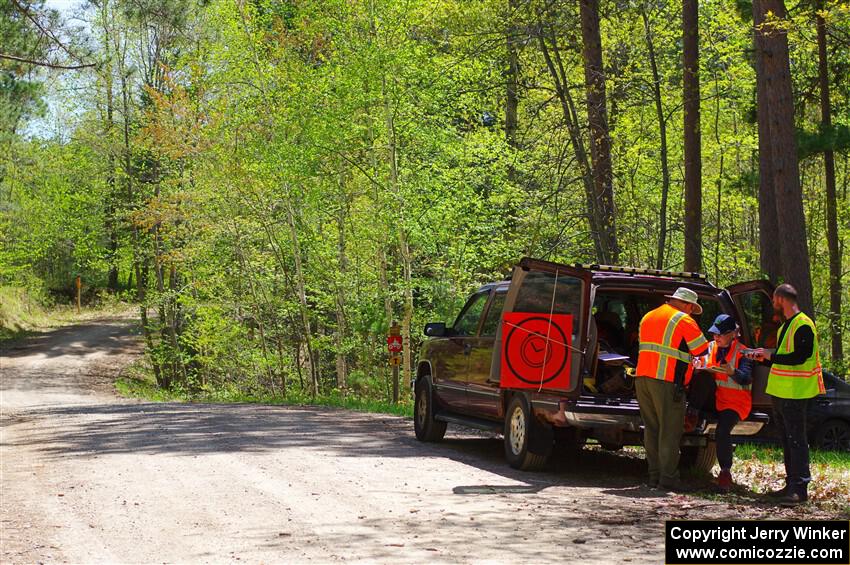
(519, 427)
(426, 427)
(698, 459)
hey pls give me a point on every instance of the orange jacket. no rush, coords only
(730, 395)
(669, 338)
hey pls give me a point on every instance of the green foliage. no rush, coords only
(21, 312)
(835, 138)
(20, 91)
(276, 182)
(139, 383)
(52, 220)
(773, 454)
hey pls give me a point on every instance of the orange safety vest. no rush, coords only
(668, 337)
(730, 395)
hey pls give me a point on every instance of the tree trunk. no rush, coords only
(693, 157)
(168, 367)
(248, 275)
(174, 323)
(342, 259)
(662, 127)
(111, 223)
(719, 179)
(404, 248)
(788, 196)
(831, 212)
(141, 263)
(770, 257)
(597, 117)
(388, 305)
(511, 98)
(384, 289)
(302, 297)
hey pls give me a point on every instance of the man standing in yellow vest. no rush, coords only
(795, 377)
(669, 339)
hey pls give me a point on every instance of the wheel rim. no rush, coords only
(517, 439)
(836, 437)
(421, 407)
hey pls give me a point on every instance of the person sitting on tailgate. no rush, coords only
(733, 398)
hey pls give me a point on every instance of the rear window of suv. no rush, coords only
(540, 294)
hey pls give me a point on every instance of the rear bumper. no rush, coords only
(589, 412)
(624, 414)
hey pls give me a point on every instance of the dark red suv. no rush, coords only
(482, 370)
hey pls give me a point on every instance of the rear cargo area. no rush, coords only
(615, 329)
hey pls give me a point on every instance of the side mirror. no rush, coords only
(435, 329)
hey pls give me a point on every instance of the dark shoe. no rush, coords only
(794, 499)
(781, 493)
(724, 481)
(651, 485)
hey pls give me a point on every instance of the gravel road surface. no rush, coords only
(88, 477)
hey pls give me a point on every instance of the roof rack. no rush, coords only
(641, 271)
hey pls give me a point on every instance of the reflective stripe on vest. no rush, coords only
(674, 353)
(796, 381)
(730, 395)
(658, 357)
(731, 384)
(665, 351)
(722, 380)
(696, 342)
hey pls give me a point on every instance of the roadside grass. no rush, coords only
(760, 469)
(137, 382)
(21, 314)
(773, 454)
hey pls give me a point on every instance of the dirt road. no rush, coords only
(89, 477)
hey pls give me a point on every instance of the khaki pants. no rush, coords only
(663, 414)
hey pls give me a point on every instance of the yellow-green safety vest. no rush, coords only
(796, 381)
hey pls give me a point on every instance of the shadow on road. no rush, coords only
(192, 429)
(195, 429)
(107, 336)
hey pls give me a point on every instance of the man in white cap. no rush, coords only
(669, 339)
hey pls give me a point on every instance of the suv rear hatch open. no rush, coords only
(587, 319)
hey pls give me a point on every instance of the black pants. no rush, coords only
(726, 420)
(790, 416)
